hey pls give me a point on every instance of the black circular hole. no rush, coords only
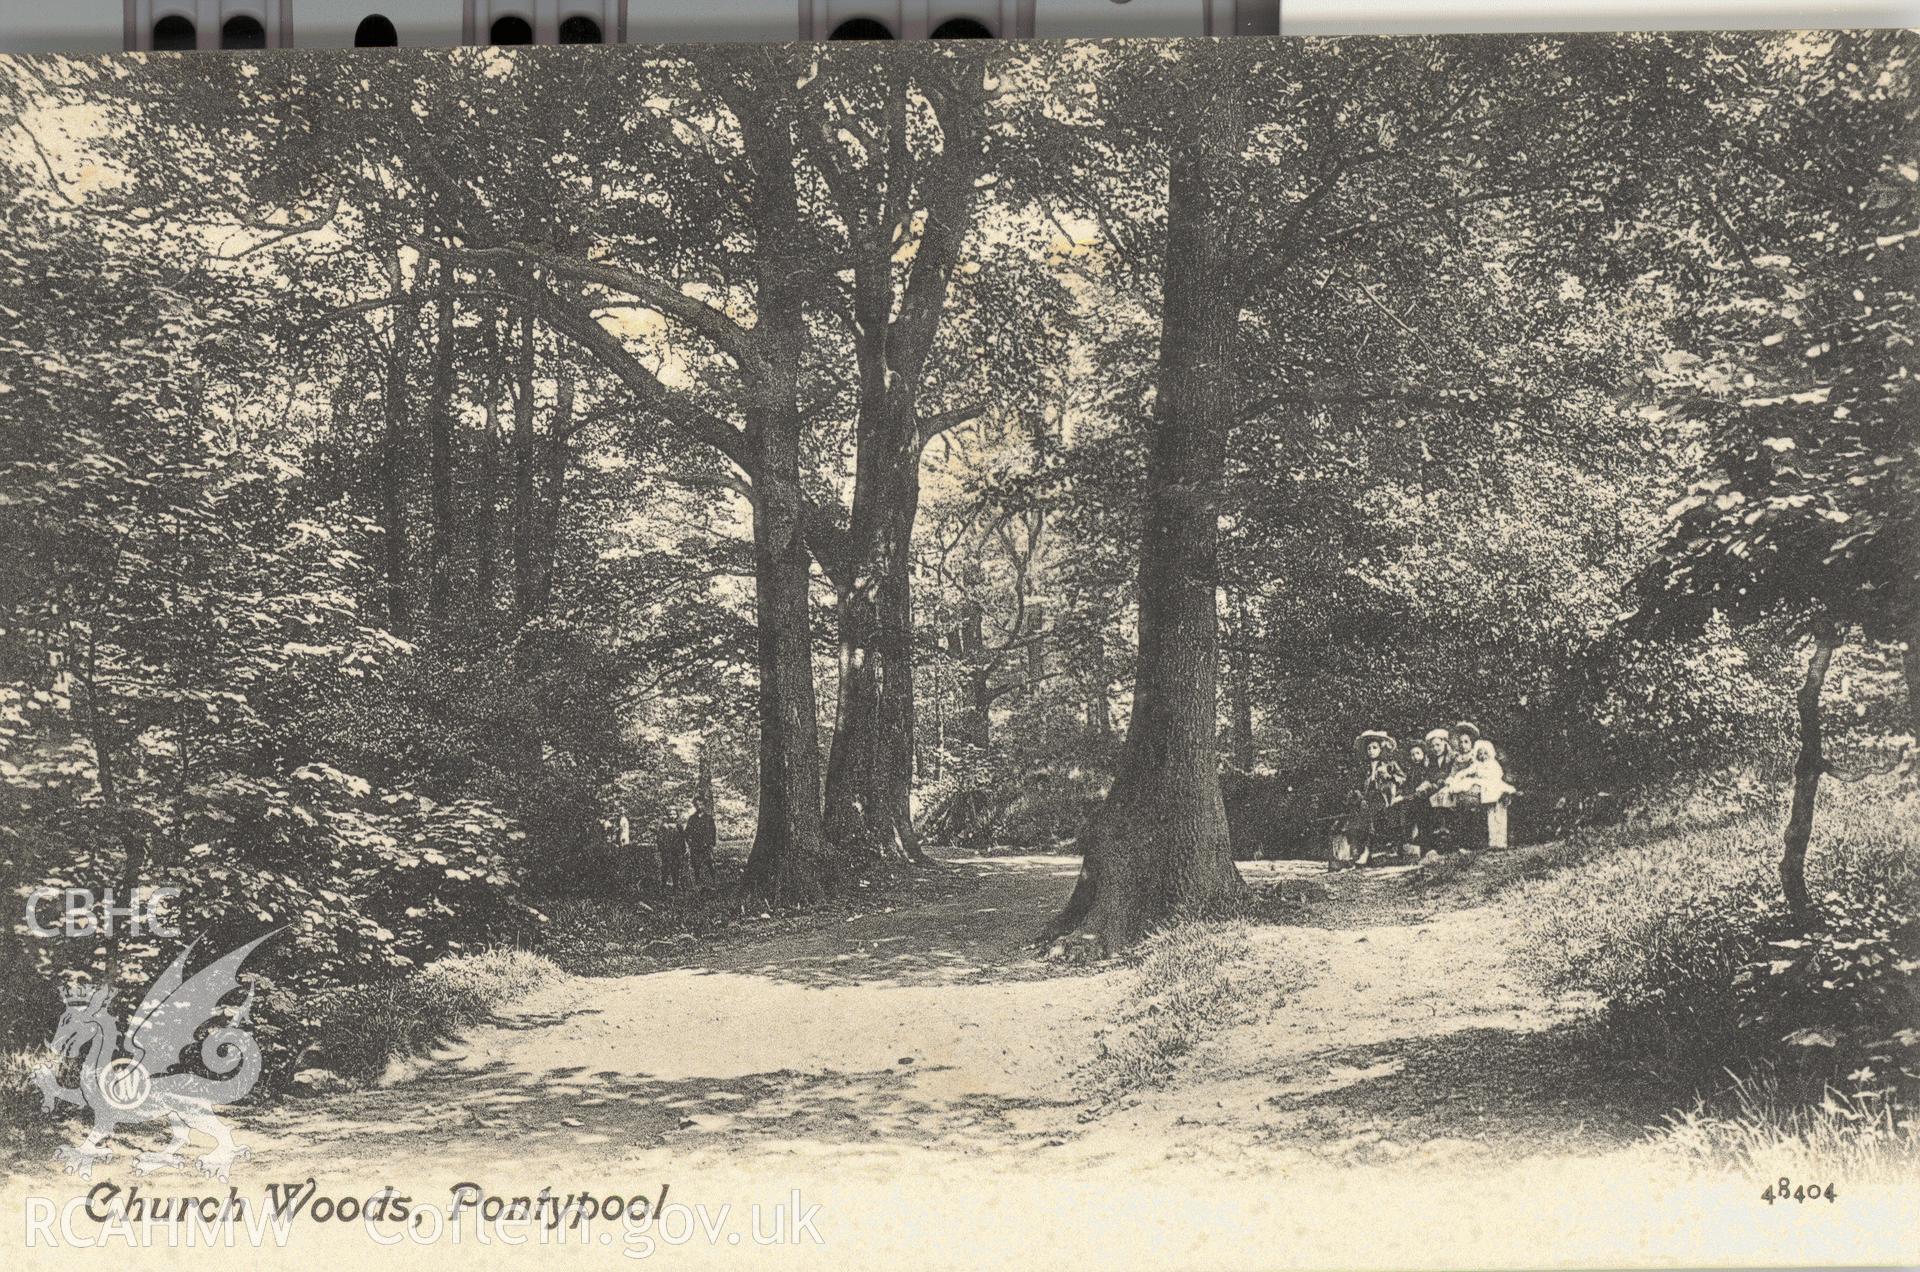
(962, 29)
(580, 30)
(375, 32)
(861, 29)
(174, 34)
(243, 32)
(510, 30)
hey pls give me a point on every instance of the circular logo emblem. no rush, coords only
(125, 1084)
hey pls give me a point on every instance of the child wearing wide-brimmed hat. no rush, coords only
(1380, 787)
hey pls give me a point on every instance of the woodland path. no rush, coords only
(1400, 1026)
(907, 1067)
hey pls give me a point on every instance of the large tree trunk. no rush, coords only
(870, 775)
(854, 754)
(1807, 769)
(440, 437)
(869, 792)
(789, 863)
(1158, 844)
(870, 771)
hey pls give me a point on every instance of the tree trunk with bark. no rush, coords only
(853, 758)
(869, 793)
(1157, 845)
(869, 790)
(789, 863)
(440, 461)
(1808, 767)
(486, 521)
(524, 450)
(393, 473)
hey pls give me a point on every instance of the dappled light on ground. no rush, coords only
(895, 1056)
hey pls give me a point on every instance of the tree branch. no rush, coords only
(735, 341)
(932, 426)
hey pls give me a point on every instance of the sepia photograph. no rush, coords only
(1064, 654)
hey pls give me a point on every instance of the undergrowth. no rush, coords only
(361, 1030)
(1678, 925)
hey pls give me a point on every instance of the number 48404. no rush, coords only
(1787, 1190)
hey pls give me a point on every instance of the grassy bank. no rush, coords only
(1191, 982)
(1782, 1045)
(364, 1029)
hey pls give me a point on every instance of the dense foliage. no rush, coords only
(411, 463)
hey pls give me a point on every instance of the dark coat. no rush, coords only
(701, 834)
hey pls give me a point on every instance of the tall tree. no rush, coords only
(441, 461)
(898, 199)
(1159, 841)
(1306, 165)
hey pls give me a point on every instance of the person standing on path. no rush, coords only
(672, 847)
(701, 836)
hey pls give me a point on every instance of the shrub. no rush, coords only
(20, 1111)
(358, 1031)
(363, 889)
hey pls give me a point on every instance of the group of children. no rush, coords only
(1452, 793)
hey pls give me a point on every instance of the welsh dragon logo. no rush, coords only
(147, 1082)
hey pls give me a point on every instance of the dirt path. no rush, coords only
(1407, 1031)
(913, 1069)
(933, 1023)
(912, 1023)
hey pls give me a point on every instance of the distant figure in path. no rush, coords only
(623, 843)
(701, 835)
(673, 853)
